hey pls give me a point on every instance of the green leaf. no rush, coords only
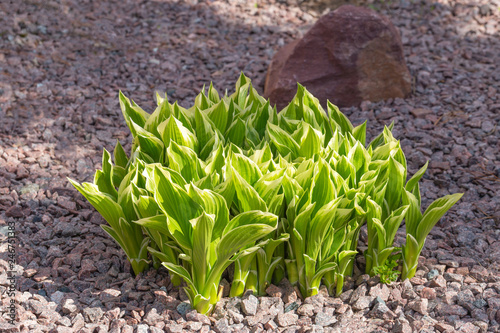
(246, 168)
(338, 120)
(185, 161)
(202, 237)
(413, 215)
(146, 206)
(310, 142)
(149, 143)
(220, 116)
(132, 112)
(173, 130)
(359, 133)
(395, 186)
(213, 95)
(236, 132)
(323, 190)
(392, 223)
(182, 272)
(120, 156)
(410, 251)
(161, 113)
(214, 204)
(243, 230)
(174, 201)
(433, 213)
(319, 227)
(157, 222)
(204, 128)
(248, 198)
(104, 179)
(410, 185)
(320, 272)
(283, 141)
(126, 200)
(102, 202)
(118, 174)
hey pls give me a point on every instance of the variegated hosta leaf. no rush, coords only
(174, 130)
(202, 185)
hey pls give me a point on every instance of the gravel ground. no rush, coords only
(61, 65)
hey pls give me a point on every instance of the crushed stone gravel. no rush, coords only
(61, 66)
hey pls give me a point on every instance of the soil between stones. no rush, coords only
(61, 66)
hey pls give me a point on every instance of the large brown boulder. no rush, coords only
(350, 55)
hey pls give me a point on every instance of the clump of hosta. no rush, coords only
(230, 181)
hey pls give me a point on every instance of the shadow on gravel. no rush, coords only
(69, 60)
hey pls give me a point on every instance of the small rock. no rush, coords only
(226, 288)
(317, 301)
(92, 314)
(222, 326)
(444, 309)
(14, 211)
(57, 297)
(173, 328)
(417, 281)
(306, 310)
(154, 329)
(69, 306)
(194, 325)
(109, 295)
(487, 126)
(291, 307)
(254, 320)
(323, 319)
(287, 319)
(483, 326)
(440, 326)
(66, 203)
(480, 303)
(421, 113)
(449, 262)
(8, 328)
(432, 274)
(346, 295)
(380, 310)
(358, 292)
(274, 291)
(401, 326)
(141, 328)
(271, 306)
(362, 279)
(183, 307)
(87, 268)
(195, 316)
(419, 305)
(466, 299)
(271, 325)
(237, 317)
(428, 293)
(249, 305)
(65, 321)
(469, 328)
(344, 308)
(152, 317)
(289, 293)
(450, 277)
(381, 290)
(362, 303)
(439, 282)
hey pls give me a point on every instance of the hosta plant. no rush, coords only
(230, 181)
